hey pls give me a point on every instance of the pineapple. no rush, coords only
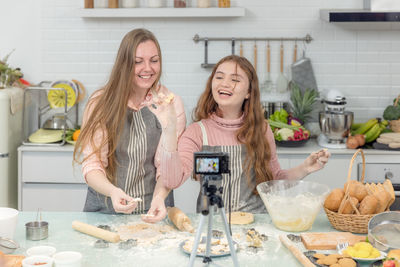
(301, 104)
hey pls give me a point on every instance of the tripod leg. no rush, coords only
(196, 241)
(207, 258)
(229, 237)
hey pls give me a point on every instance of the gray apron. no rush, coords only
(136, 173)
(242, 196)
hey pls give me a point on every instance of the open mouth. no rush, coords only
(223, 92)
(146, 77)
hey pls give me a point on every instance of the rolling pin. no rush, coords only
(95, 231)
(296, 251)
(181, 221)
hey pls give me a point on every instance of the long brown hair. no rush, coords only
(252, 132)
(108, 105)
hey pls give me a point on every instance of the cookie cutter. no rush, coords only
(104, 227)
(100, 243)
(217, 233)
(294, 238)
(127, 244)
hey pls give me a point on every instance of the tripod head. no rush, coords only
(210, 194)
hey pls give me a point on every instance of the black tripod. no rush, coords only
(210, 198)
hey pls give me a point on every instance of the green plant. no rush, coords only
(8, 75)
(301, 104)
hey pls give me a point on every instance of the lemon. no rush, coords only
(56, 98)
(363, 246)
(374, 253)
(350, 251)
(361, 254)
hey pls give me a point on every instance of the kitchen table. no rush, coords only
(165, 252)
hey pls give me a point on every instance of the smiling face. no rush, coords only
(230, 88)
(147, 65)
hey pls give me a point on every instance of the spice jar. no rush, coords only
(179, 3)
(203, 3)
(129, 3)
(224, 3)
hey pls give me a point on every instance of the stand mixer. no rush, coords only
(334, 121)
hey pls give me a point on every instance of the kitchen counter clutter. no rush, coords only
(164, 250)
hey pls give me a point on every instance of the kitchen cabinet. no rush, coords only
(47, 179)
(161, 12)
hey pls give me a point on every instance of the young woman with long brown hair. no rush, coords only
(229, 118)
(122, 131)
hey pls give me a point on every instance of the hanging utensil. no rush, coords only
(295, 53)
(255, 56)
(281, 82)
(267, 85)
(241, 49)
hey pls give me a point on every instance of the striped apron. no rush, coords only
(242, 196)
(136, 173)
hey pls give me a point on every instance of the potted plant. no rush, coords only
(8, 75)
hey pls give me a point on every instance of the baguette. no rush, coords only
(387, 185)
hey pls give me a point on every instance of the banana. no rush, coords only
(355, 126)
(373, 133)
(384, 123)
(366, 126)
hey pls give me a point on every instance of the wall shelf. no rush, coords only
(161, 12)
(358, 15)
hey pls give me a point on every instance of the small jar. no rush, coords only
(129, 3)
(101, 3)
(154, 3)
(179, 3)
(203, 3)
(224, 3)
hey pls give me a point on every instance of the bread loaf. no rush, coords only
(346, 207)
(332, 202)
(356, 189)
(389, 188)
(368, 205)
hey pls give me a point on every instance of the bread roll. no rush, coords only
(346, 207)
(382, 196)
(332, 202)
(368, 205)
(356, 189)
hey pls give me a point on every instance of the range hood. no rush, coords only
(358, 15)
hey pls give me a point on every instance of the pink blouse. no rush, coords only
(178, 166)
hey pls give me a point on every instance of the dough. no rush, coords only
(239, 217)
(143, 232)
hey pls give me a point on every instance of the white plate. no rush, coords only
(203, 240)
(367, 260)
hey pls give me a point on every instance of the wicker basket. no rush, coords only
(395, 124)
(355, 223)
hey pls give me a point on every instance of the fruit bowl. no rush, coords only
(291, 143)
(293, 205)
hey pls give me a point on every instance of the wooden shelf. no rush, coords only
(161, 12)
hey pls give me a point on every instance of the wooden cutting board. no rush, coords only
(329, 240)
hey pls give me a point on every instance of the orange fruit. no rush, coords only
(75, 135)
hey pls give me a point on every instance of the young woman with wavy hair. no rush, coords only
(229, 118)
(122, 131)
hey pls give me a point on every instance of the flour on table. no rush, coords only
(145, 233)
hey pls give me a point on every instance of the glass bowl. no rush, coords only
(292, 204)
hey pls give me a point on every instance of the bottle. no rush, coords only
(224, 3)
(179, 3)
(203, 3)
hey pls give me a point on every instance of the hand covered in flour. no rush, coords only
(317, 160)
(121, 202)
(157, 211)
(163, 107)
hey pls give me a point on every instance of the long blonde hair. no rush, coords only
(109, 104)
(252, 132)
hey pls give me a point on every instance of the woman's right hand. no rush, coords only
(121, 202)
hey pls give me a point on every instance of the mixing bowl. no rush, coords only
(8, 222)
(293, 205)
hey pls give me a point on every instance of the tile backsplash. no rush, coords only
(360, 59)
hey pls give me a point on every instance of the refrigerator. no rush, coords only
(11, 100)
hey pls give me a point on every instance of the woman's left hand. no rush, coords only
(157, 211)
(317, 160)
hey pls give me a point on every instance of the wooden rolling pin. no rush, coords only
(296, 251)
(181, 221)
(95, 231)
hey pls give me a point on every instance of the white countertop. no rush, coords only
(309, 147)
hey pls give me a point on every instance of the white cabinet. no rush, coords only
(47, 179)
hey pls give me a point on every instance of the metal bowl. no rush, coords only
(384, 230)
(8, 246)
(37, 230)
(57, 122)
